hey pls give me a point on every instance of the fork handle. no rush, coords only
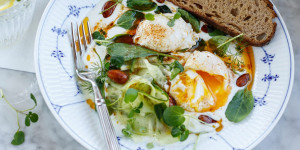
(107, 126)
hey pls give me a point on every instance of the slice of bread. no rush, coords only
(251, 17)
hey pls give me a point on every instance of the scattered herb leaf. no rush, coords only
(129, 51)
(27, 120)
(173, 116)
(116, 61)
(163, 9)
(141, 5)
(171, 23)
(176, 69)
(150, 145)
(98, 36)
(128, 19)
(184, 135)
(149, 16)
(34, 117)
(189, 18)
(216, 32)
(240, 106)
(159, 109)
(19, 138)
(176, 132)
(130, 95)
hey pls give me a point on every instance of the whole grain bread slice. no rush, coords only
(254, 18)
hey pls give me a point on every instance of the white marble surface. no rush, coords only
(48, 134)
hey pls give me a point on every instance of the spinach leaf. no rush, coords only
(216, 41)
(159, 109)
(163, 9)
(188, 17)
(216, 32)
(116, 61)
(130, 95)
(98, 36)
(240, 106)
(173, 116)
(141, 5)
(129, 51)
(128, 19)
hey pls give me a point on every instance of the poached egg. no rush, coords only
(158, 36)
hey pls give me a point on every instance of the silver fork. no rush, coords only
(107, 127)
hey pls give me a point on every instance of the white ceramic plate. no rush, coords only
(54, 69)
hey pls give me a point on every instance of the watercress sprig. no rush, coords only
(171, 23)
(19, 136)
(174, 117)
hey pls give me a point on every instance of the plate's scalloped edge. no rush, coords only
(85, 144)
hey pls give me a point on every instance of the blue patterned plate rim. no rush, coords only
(85, 144)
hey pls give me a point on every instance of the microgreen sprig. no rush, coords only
(19, 136)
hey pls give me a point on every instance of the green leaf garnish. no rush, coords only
(174, 73)
(221, 44)
(27, 120)
(216, 32)
(171, 23)
(129, 51)
(33, 98)
(240, 106)
(176, 131)
(127, 131)
(189, 18)
(159, 109)
(117, 61)
(173, 116)
(34, 117)
(163, 9)
(150, 145)
(19, 138)
(128, 19)
(184, 135)
(176, 69)
(149, 17)
(98, 36)
(216, 41)
(130, 95)
(141, 5)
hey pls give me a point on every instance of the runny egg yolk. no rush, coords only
(216, 87)
(188, 94)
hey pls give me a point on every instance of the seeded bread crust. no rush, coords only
(254, 18)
